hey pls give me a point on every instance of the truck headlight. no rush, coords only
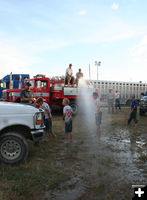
(38, 119)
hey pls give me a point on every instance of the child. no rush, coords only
(133, 114)
(98, 112)
(67, 116)
(47, 116)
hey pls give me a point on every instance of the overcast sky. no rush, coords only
(44, 36)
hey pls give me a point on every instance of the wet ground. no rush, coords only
(91, 168)
(105, 166)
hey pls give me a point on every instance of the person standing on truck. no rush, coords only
(79, 75)
(133, 114)
(26, 95)
(47, 116)
(117, 99)
(69, 78)
(67, 116)
(110, 99)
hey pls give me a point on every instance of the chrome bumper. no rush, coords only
(37, 134)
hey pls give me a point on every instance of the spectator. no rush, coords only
(67, 116)
(117, 99)
(133, 114)
(69, 78)
(47, 116)
(26, 95)
(110, 100)
(79, 75)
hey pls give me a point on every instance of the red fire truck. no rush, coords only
(51, 90)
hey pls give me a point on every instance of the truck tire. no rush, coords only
(13, 148)
(74, 107)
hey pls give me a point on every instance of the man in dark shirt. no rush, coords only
(133, 114)
(26, 96)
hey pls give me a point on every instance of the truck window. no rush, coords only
(32, 83)
(1, 85)
(41, 84)
(5, 84)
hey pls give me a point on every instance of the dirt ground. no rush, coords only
(91, 168)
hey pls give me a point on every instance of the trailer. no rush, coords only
(126, 89)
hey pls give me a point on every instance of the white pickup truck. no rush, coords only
(18, 122)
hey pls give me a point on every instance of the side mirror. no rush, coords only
(142, 94)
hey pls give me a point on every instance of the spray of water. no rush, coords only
(86, 105)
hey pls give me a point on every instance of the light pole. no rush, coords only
(89, 73)
(97, 63)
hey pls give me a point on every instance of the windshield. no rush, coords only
(31, 82)
(41, 84)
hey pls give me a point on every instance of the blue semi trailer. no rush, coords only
(12, 81)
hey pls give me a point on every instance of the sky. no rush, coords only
(45, 36)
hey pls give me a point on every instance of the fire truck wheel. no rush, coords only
(74, 107)
(13, 148)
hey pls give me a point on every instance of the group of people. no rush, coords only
(70, 79)
(111, 97)
(27, 96)
(115, 98)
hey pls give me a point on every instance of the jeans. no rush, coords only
(133, 116)
(117, 103)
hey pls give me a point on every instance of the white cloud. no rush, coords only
(116, 30)
(13, 59)
(139, 52)
(82, 12)
(115, 6)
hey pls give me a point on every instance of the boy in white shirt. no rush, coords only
(98, 112)
(47, 116)
(67, 116)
